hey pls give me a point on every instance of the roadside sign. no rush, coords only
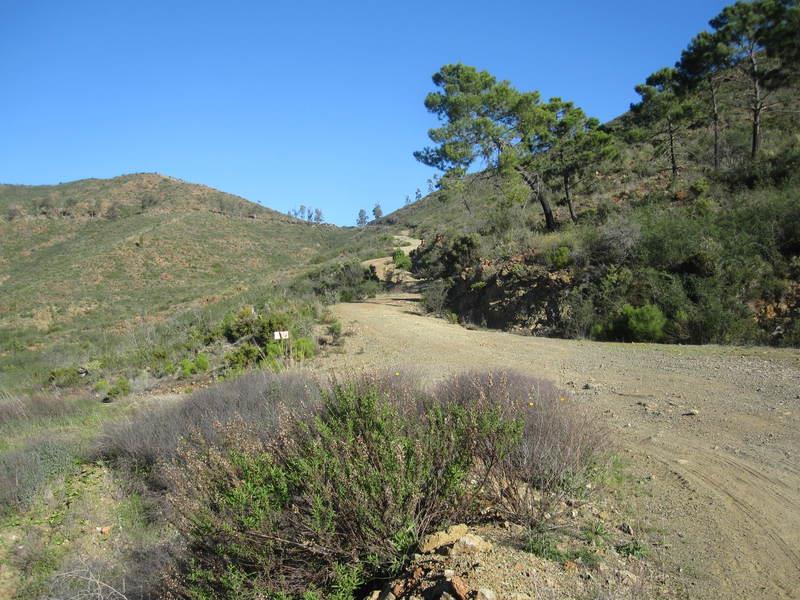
(280, 335)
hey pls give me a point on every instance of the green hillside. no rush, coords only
(680, 233)
(123, 195)
(73, 285)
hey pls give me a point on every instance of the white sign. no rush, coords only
(280, 335)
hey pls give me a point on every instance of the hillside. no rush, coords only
(73, 285)
(671, 241)
(122, 196)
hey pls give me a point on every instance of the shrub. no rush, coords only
(304, 348)
(275, 350)
(359, 471)
(242, 357)
(401, 260)
(187, 368)
(642, 324)
(361, 481)
(558, 448)
(434, 296)
(201, 363)
(633, 548)
(446, 257)
(190, 367)
(24, 471)
(451, 317)
(64, 377)
(241, 324)
(335, 329)
(559, 258)
(122, 387)
(613, 243)
(344, 282)
(150, 438)
(248, 324)
(700, 187)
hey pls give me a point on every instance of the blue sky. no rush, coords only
(289, 103)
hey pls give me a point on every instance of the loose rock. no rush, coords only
(469, 544)
(486, 594)
(459, 588)
(442, 538)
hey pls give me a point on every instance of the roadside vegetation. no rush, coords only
(360, 468)
(225, 483)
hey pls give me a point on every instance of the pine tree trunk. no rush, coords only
(549, 219)
(568, 196)
(536, 192)
(673, 161)
(756, 131)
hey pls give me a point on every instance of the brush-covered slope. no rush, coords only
(666, 246)
(72, 277)
(122, 196)
(639, 171)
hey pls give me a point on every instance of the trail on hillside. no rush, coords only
(382, 265)
(711, 433)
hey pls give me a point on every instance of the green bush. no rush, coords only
(201, 363)
(64, 377)
(187, 368)
(190, 367)
(635, 324)
(447, 257)
(335, 329)
(401, 260)
(344, 282)
(359, 471)
(240, 324)
(559, 258)
(304, 348)
(248, 323)
(275, 350)
(169, 368)
(361, 480)
(122, 387)
(242, 357)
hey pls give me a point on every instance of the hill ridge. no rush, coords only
(123, 195)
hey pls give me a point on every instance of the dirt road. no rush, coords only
(710, 433)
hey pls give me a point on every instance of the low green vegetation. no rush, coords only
(42, 437)
(722, 269)
(344, 281)
(361, 469)
(401, 260)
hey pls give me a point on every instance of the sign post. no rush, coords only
(284, 338)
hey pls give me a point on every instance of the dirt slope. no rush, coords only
(719, 489)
